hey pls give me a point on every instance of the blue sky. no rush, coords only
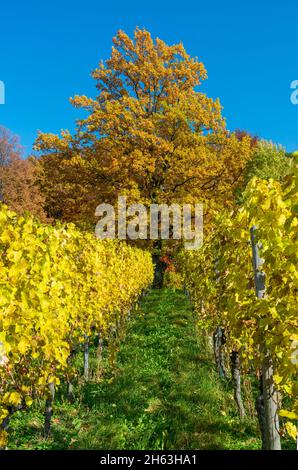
(250, 50)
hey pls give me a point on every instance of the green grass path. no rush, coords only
(162, 393)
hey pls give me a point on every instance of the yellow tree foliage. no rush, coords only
(150, 134)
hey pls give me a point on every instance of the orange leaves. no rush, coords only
(145, 64)
(19, 177)
(150, 133)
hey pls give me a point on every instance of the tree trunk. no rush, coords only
(158, 272)
(160, 266)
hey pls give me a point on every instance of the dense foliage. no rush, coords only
(58, 286)
(151, 134)
(220, 278)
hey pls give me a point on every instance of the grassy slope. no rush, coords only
(162, 393)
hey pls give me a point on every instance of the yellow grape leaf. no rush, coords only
(22, 346)
(3, 438)
(3, 414)
(288, 414)
(291, 430)
(28, 400)
(13, 398)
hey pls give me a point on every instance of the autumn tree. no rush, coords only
(150, 134)
(19, 177)
(268, 160)
(9, 149)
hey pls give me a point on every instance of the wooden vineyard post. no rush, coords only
(49, 410)
(219, 338)
(99, 355)
(236, 375)
(270, 434)
(86, 358)
(218, 343)
(70, 387)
